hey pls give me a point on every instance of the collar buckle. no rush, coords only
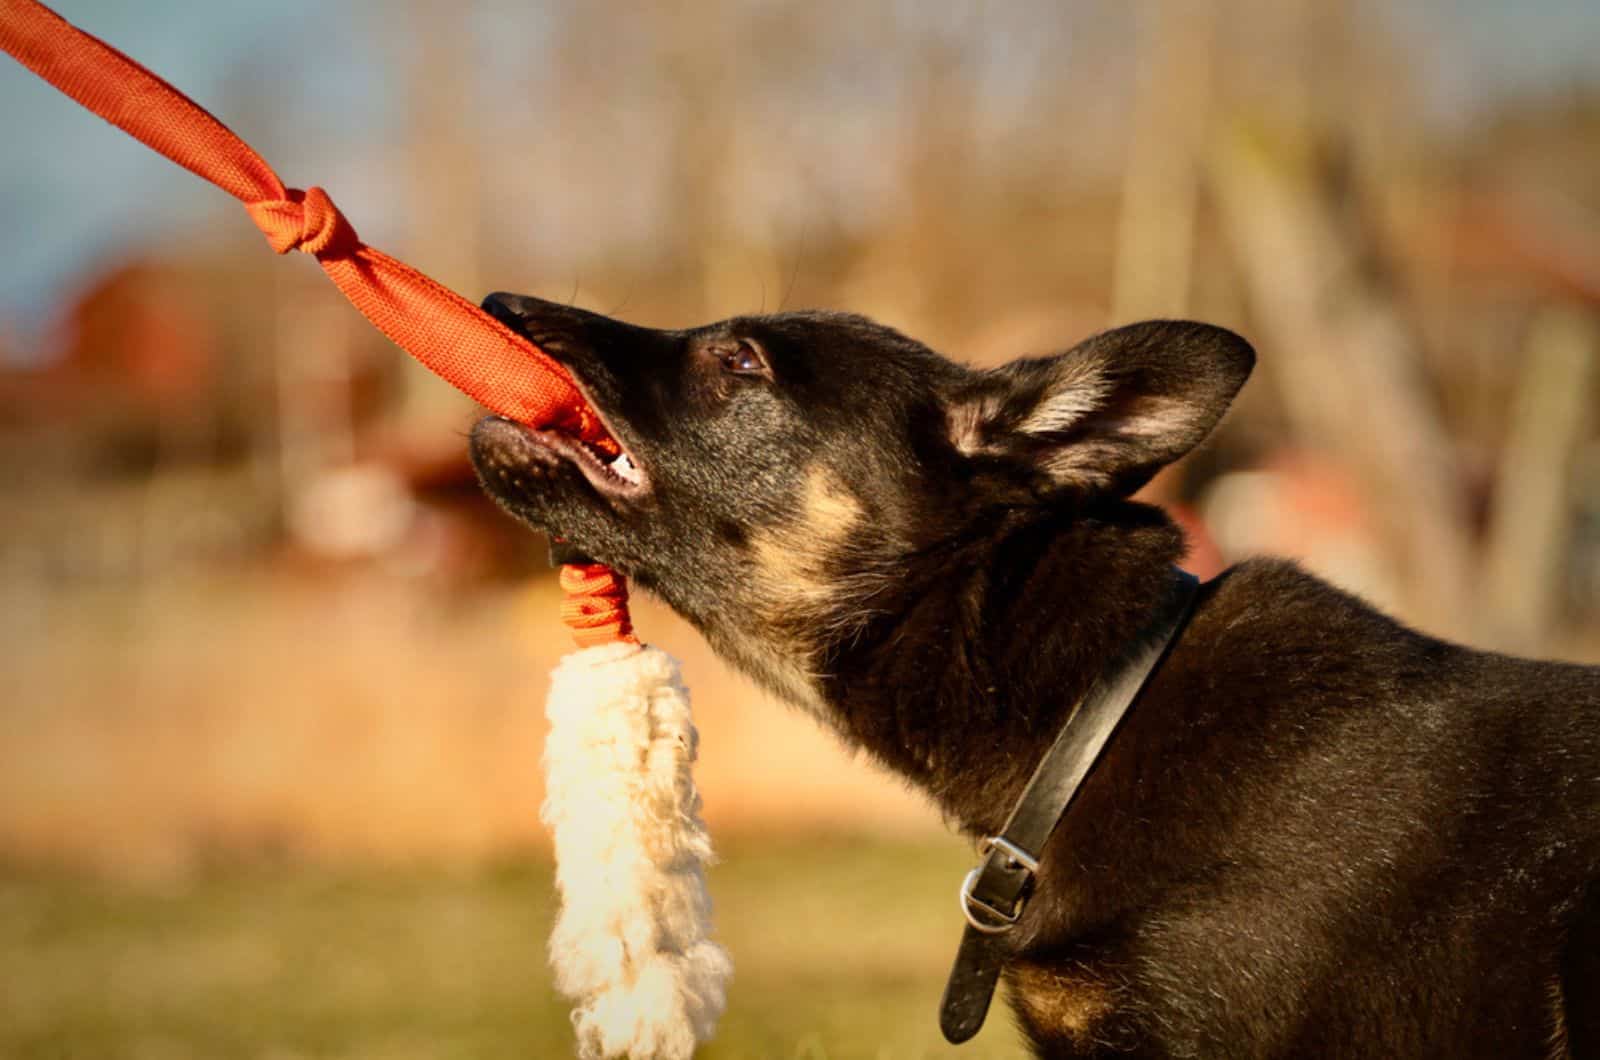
(995, 892)
(993, 895)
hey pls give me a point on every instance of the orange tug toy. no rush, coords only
(631, 945)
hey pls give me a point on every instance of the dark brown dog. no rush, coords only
(1318, 834)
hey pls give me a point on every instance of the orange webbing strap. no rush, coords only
(596, 607)
(467, 347)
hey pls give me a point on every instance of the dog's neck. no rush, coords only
(962, 686)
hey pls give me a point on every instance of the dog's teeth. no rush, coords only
(623, 468)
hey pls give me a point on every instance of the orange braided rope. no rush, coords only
(452, 337)
(596, 605)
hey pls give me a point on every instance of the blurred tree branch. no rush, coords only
(1525, 554)
(1161, 181)
(1347, 372)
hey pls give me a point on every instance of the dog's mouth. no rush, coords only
(510, 454)
(514, 458)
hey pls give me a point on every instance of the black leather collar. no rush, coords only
(993, 894)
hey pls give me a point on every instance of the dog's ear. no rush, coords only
(1109, 413)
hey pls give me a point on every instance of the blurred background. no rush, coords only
(271, 670)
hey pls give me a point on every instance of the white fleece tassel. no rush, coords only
(631, 945)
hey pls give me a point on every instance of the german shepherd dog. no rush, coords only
(1317, 834)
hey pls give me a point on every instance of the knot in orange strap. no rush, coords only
(307, 220)
(469, 348)
(596, 605)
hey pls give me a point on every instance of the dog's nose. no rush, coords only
(505, 307)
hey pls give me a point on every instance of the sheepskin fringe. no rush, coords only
(631, 945)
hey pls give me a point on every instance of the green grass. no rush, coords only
(840, 950)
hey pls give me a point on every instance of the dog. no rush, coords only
(1317, 834)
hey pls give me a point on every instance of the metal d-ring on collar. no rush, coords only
(1000, 921)
(994, 893)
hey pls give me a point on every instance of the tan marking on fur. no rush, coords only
(792, 558)
(1560, 1045)
(1068, 1001)
(792, 591)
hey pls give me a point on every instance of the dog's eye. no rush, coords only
(743, 359)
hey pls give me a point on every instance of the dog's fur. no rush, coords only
(1319, 833)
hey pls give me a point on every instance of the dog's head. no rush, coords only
(779, 472)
